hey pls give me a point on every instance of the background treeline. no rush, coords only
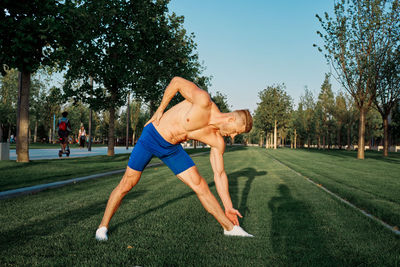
(361, 42)
(47, 102)
(323, 121)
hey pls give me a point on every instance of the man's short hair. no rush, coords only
(245, 115)
(64, 114)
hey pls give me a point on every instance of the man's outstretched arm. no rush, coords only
(190, 91)
(221, 183)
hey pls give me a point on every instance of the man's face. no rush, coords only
(232, 128)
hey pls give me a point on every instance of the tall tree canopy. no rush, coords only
(128, 46)
(388, 87)
(32, 33)
(355, 41)
(326, 102)
(273, 111)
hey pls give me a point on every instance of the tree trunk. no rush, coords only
(90, 131)
(295, 139)
(35, 134)
(339, 141)
(328, 139)
(361, 134)
(90, 119)
(266, 141)
(385, 135)
(275, 135)
(271, 140)
(127, 123)
(323, 142)
(22, 148)
(110, 151)
(349, 137)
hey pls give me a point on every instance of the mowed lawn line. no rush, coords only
(161, 222)
(15, 175)
(371, 184)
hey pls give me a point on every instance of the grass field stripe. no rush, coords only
(388, 226)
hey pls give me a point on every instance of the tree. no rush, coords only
(307, 107)
(32, 33)
(351, 115)
(175, 57)
(8, 103)
(128, 46)
(273, 111)
(354, 41)
(325, 105)
(52, 106)
(38, 93)
(340, 115)
(395, 124)
(388, 86)
(221, 101)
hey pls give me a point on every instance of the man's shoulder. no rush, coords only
(212, 137)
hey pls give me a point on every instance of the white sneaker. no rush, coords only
(101, 234)
(237, 231)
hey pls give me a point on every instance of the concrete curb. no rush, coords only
(37, 188)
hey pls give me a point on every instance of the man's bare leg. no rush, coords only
(129, 180)
(192, 178)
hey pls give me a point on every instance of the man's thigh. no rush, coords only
(139, 157)
(179, 161)
(191, 177)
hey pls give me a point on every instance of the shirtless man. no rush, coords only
(197, 118)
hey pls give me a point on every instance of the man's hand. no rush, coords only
(232, 215)
(156, 117)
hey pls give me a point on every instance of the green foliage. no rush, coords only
(139, 52)
(221, 101)
(358, 42)
(395, 124)
(305, 117)
(275, 105)
(8, 102)
(31, 33)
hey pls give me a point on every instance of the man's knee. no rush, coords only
(129, 180)
(201, 188)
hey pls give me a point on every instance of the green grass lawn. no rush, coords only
(161, 222)
(372, 184)
(15, 175)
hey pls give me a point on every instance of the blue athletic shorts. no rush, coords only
(152, 143)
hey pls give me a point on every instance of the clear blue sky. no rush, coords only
(248, 45)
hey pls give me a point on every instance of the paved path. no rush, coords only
(52, 153)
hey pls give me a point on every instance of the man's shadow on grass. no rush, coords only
(295, 233)
(249, 173)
